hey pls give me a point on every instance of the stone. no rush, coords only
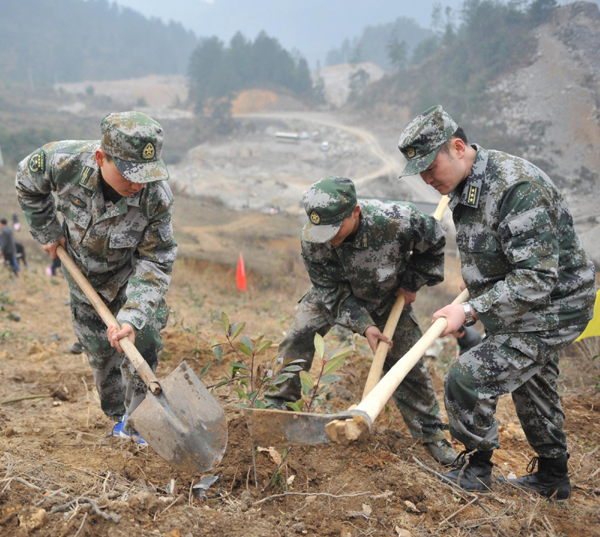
(33, 519)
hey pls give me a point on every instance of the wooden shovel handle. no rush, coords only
(374, 402)
(141, 366)
(383, 347)
(392, 322)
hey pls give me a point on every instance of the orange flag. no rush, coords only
(240, 274)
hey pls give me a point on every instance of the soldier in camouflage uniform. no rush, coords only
(116, 209)
(360, 255)
(531, 285)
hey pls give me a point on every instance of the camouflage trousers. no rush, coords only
(524, 365)
(119, 386)
(415, 397)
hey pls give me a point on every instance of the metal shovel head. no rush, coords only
(284, 427)
(184, 424)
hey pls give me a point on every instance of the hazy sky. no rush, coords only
(311, 26)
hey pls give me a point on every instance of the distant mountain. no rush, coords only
(72, 40)
(372, 45)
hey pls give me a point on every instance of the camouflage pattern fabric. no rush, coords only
(532, 287)
(415, 397)
(522, 262)
(131, 243)
(354, 284)
(360, 276)
(422, 139)
(521, 365)
(134, 140)
(327, 203)
(119, 386)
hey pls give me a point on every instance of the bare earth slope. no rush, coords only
(553, 105)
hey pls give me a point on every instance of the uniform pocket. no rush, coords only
(128, 239)
(76, 220)
(483, 250)
(387, 275)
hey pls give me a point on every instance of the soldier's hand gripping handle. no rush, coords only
(141, 366)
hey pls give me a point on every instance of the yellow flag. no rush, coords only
(593, 327)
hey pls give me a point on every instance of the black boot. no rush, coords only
(476, 469)
(551, 478)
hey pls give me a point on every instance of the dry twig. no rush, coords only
(325, 494)
(65, 507)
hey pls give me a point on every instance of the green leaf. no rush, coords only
(336, 361)
(319, 345)
(329, 378)
(264, 345)
(238, 365)
(245, 350)
(296, 361)
(241, 393)
(292, 368)
(218, 352)
(259, 339)
(241, 405)
(259, 404)
(222, 383)
(293, 406)
(225, 321)
(205, 369)
(306, 380)
(247, 341)
(281, 379)
(236, 330)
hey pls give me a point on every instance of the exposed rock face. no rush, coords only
(553, 106)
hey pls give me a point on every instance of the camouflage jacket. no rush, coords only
(522, 262)
(395, 246)
(131, 243)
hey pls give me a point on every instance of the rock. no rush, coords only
(402, 533)
(55, 337)
(33, 519)
(246, 499)
(14, 316)
(299, 528)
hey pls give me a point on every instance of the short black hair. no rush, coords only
(3, 221)
(458, 133)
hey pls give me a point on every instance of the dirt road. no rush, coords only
(390, 165)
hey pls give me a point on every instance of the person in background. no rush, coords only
(7, 247)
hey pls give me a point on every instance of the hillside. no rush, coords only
(37, 42)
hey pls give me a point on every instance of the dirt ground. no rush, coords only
(62, 475)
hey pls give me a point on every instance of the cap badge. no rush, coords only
(148, 151)
(410, 152)
(315, 218)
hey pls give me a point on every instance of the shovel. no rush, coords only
(306, 428)
(179, 418)
(344, 427)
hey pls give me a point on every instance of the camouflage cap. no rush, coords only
(422, 140)
(134, 141)
(327, 203)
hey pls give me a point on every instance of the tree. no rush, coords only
(357, 83)
(397, 52)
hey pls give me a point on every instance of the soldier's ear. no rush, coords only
(460, 147)
(356, 212)
(100, 157)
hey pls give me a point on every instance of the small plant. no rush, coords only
(251, 382)
(315, 393)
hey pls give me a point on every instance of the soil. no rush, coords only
(58, 463)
